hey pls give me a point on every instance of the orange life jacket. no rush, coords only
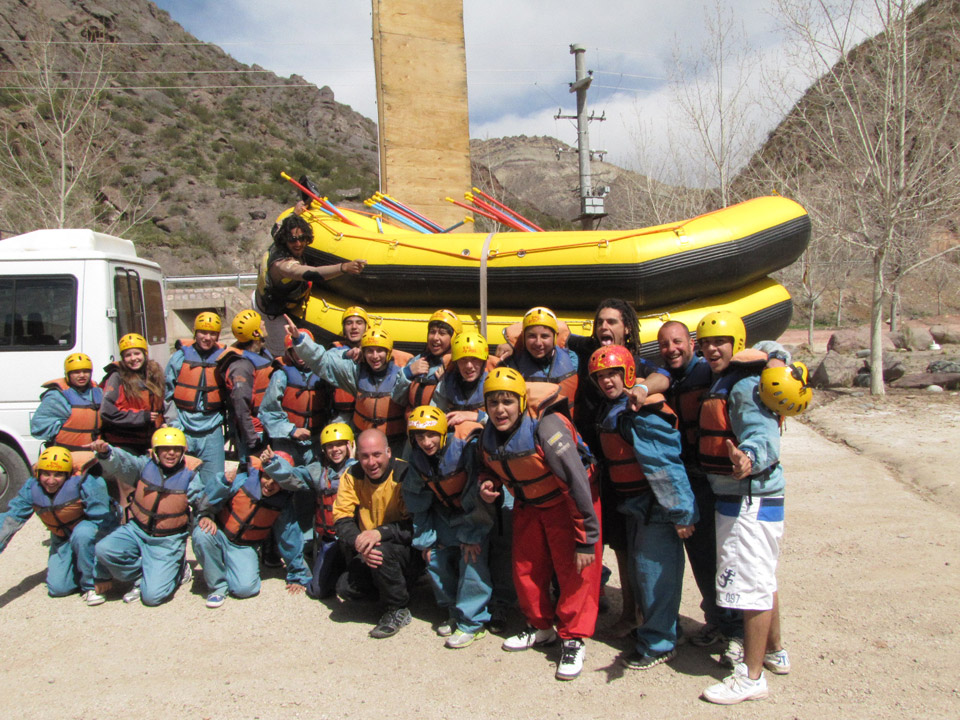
(422, 387)
(625, 473)
(83, 424)
(249, 517)
(198, 379)
(323, 524)
(521, 466)
(263, 367)
(159, 505)
(449, 476)
(715, 427)
(560, 372)
(304, 399)
(62, 511)
(375, 407)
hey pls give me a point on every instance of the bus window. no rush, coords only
(126, 290)
(153, 303)
(38, 312)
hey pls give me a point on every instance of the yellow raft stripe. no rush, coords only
(410, 324)
(517, 249)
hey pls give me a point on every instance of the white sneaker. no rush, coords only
(92, 598)
(571, 659)
(187, 574)
(133, 594)
(776, 662)
(529, 637)
(733, 655)
(737, 688)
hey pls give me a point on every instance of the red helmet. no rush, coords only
(288, 340)
(614, 356)
(284, 456)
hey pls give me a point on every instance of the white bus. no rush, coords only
(65, 291)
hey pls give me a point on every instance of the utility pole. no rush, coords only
(591, 202)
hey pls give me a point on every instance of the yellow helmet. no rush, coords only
(508, 380)
(208, 321)
(723, 323)
(541, 316)
(784, 389)
(336, 432)
(132, 341)
(247, 325)
(427, 417)
(168, 437)
(55, 459)
(469, 344)
(76, 361)
(355, 311)
(377, 337)
(447, 317)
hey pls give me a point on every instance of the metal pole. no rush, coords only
(580, 86)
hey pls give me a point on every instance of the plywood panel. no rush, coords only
(422, 104)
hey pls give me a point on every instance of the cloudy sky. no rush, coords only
(518, 58)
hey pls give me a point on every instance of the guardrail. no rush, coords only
(238, 280)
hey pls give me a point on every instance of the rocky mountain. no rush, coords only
(192, 142)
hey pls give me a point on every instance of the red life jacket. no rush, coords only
(83, 424)
(197, 379)
(263, 367)
(159, 505)
(375, 407)
(144, 400)
(625, 473)
(715, 427)
(304, 399)
(249, 517)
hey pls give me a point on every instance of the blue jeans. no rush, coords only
(656, 568)
(462, 588)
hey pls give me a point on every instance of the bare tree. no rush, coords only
(57, 143)
(872, 149)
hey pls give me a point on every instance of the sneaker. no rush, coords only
(215, 600)
(529, 637)
(390, 623)
(636, 661)
(187, 574)
(571, 659)
(707, 635)
(733, 655)
(461, 639)
(445, 629)
(133, 594)
(737, 688)
(498, 621)
(776, 662)
(92, 598)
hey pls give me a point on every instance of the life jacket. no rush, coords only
(304, 399)
(83, 424)
(521, 466)
(277, 297)
(249, 517)
(625, 473)
(560, 372)
(685, 397)
(422, 387)
(448, 476)
(159, 504)
(715, 427)
(144, 400)
(263, 367)
(197, 380)
(64, 509)
(323, 525)
(375, 407)
(453, 391)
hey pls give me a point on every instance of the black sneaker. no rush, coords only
(636, 661)
(497, 623)
(390, 623)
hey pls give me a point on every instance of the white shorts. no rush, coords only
(748, 547)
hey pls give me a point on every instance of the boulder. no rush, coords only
(257, 215)
(835, 370)
(853, 339)
(911, 338)
(944, 366)
(946, 334)
(893, 368)
(924, 380)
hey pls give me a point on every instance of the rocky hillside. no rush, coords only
(194, 140)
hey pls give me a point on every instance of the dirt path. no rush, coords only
(869, 585)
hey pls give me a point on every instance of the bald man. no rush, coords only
(375, 533)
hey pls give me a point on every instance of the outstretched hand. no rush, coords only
(742, 464)
(291, 327)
